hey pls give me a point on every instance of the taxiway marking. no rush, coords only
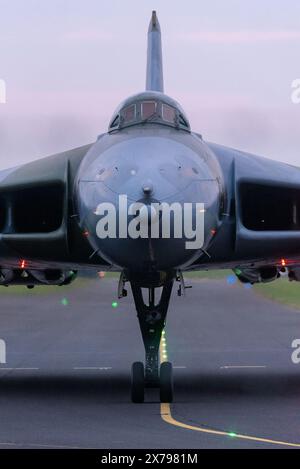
(166, 415)
(101, 368)
(40, 445)
(228, 367)
(19, 369)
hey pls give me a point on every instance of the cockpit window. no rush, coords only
(168, 113)
(115, 122)
(129, 113)
(148, 109)
(182, 121)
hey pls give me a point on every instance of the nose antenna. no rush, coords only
(154, 75)
(147, 188)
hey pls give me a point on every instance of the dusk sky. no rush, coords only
(68, 63)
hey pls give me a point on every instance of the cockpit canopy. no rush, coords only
(149, 107)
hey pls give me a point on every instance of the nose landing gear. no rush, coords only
(138, 382)
(152, 319)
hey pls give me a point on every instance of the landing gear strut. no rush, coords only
(152, 317)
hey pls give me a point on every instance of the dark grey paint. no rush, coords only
(164, 156)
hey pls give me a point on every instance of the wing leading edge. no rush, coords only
(38, 219)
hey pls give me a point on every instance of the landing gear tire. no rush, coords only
(137, 382)
(166, 382)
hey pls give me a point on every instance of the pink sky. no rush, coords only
(68, 63)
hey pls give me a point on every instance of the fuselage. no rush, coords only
(155, 164)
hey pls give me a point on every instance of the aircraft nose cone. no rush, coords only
(140, 201)
(137, 166)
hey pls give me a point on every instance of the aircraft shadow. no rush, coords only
(115, 388)
(244, 385)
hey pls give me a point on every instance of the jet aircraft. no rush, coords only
(150, 199)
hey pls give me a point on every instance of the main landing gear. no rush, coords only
(152, 317)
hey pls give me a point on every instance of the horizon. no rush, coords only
(231, 72)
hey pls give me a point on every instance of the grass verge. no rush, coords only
(282, 291)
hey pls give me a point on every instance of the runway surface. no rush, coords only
(66, 382)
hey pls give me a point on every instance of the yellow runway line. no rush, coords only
(166, 415)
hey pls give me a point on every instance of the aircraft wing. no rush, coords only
(260, 223)
(38, 228)
(261, 220)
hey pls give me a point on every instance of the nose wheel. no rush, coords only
(166, 382)
(138, 382)
(152, 318)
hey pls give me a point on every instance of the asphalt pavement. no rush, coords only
(66, 380)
